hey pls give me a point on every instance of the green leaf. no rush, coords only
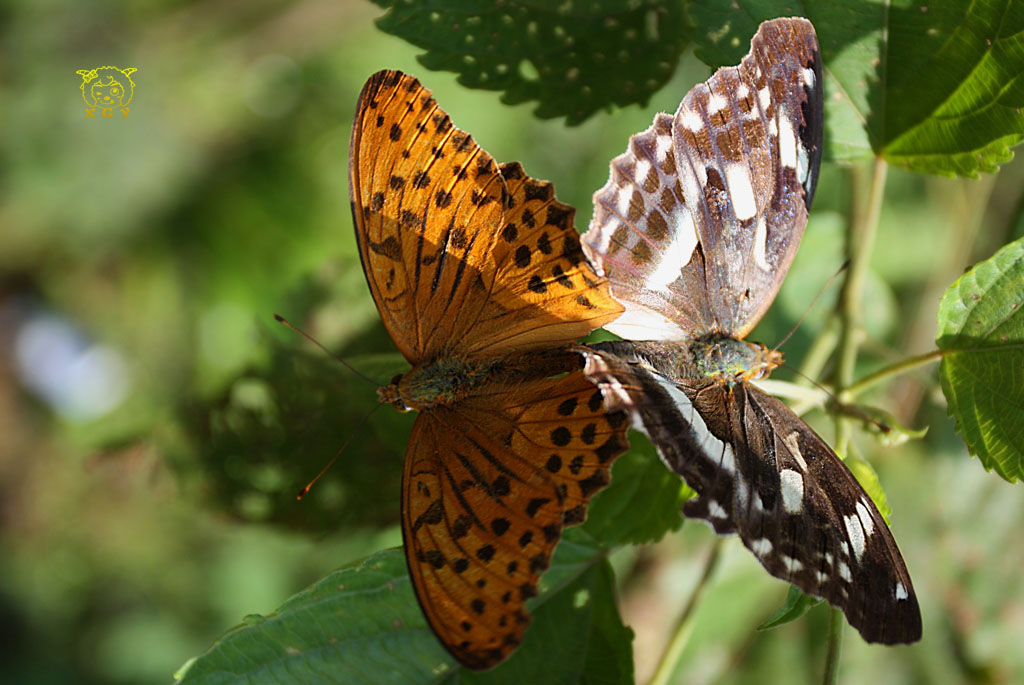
(572, 58)
(642, 503)
(933, 87)
(361, 624)
(868, 479)
(796, 605)
(981, 330)
(577, 637)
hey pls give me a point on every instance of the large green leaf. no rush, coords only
(573, 58)
(361, 624)
(981, 331)
(643, 502)
(935, 87)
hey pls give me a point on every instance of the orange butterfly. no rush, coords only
(479, 277)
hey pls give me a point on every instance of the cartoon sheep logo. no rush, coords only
(106, 88)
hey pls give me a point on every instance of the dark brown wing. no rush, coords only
(762, 473)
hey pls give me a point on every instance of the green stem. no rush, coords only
(835, 644)
(821, 349)
(860, 242)
(684, 626)
(893, 370)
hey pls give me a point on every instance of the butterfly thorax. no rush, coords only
(439, 383)
(730, 361)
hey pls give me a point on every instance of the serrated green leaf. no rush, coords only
(361, 624)
(796, 605)
(577, 637)
(936, 88)
(981, 330)
(642, 503)
(572, 58)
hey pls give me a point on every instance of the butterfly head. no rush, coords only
(390, 394)
(731, 361)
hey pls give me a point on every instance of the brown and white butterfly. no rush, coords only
(695, 230)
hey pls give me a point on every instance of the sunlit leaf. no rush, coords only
(981, 329)
(933, 87)
(868, 479)
(796, 605)
(572, 58)
(361, 624)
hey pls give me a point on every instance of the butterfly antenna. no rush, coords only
(305, 491)
(848, 409)
(810, 307)
(307, 336)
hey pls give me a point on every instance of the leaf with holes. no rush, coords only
(932, 87)
(573, 59)
(981, 331)
(362, 623)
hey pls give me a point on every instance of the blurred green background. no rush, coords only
(155, 423)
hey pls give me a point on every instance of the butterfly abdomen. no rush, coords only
(440, 383)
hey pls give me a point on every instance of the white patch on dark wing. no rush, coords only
(793, 443)
(742, 494)
(716, 103)
(792, 491)
(622, 205)
(642, 167)
(855, 532)
(641, 323)
(802, 167)
(764, 96)
(742, 91)
(691, 121)
(864, 514)
(727, 462)
(662, 144)
(844, 572)
(792, 565)
(715, 510)
(808, 75)
(761, 244)
(901, 591)
(821, 577)
(677, 254)
(737, 177)
(787, 142)
(761, 547)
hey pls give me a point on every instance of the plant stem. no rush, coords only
(861, 234)
(893, 370)
(860, 240)
(684, 626)
(835, 644)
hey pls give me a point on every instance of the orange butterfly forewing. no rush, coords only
(477, 272)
